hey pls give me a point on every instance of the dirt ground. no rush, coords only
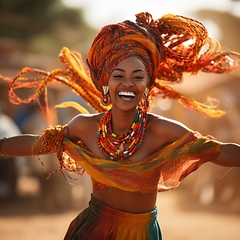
(23, 219)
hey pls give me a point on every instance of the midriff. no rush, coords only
(132, 202)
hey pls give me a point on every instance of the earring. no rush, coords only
(105, 98)
(146, 103)
(146, 92)
(105, 90)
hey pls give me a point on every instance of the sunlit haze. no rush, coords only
(99, 13)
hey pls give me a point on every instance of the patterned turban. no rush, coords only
(117, 42)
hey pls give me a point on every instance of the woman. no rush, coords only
(130, 153)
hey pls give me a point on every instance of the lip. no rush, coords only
(128, 93)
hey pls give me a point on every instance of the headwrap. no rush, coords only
(168, 46)
(117, 42)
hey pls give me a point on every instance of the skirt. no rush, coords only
(101, 222)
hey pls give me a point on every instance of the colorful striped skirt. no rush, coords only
(101, 222)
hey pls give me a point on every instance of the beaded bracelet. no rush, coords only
(1, 143)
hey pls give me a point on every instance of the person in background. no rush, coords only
(130, 153)
(9, 168)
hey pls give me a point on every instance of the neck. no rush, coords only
(122, 120)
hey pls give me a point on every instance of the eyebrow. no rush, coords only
(122, 70)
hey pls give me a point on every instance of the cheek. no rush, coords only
(112, 82)
(112, 86)
(141, 89)
(145, 84)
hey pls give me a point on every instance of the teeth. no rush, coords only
(127, 94)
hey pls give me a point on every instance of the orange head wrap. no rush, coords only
(116, 42)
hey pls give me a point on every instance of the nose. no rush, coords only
(127, 82)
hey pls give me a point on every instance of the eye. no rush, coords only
(118, 76)
(138, 77)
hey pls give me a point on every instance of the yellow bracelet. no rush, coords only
(1, 143)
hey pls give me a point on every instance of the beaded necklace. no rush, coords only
(107, 139)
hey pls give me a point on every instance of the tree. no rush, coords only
(43, 26)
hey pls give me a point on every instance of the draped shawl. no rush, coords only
(161, 171)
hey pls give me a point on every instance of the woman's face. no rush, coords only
(127, 83)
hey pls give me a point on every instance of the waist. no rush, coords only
(121, 217)
(133, 202)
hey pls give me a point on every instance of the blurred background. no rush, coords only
(32, 33)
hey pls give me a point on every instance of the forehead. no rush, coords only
(131, 63)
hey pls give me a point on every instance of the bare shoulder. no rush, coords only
(169, 129)
(83, 124)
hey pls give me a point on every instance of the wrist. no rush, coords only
(1, 144)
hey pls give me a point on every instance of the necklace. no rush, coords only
(108, 141)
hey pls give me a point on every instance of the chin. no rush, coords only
(127, 108)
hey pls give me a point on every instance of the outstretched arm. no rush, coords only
(47, 142)
(21, 145)
(229, 155)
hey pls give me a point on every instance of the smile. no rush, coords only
(127, 95)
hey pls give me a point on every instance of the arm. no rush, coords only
(21, 145)
(171, 130)
(28, 144)
(230, 152)
(229, 155)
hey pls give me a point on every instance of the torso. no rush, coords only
(159, 133)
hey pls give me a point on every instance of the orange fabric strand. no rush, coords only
(168, 46)
(164, 91)
(75, 75)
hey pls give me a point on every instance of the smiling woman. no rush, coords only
(130, 153)
(127, 83)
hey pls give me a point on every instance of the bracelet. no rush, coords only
(1, 143)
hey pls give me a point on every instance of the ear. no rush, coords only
(148, 82)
